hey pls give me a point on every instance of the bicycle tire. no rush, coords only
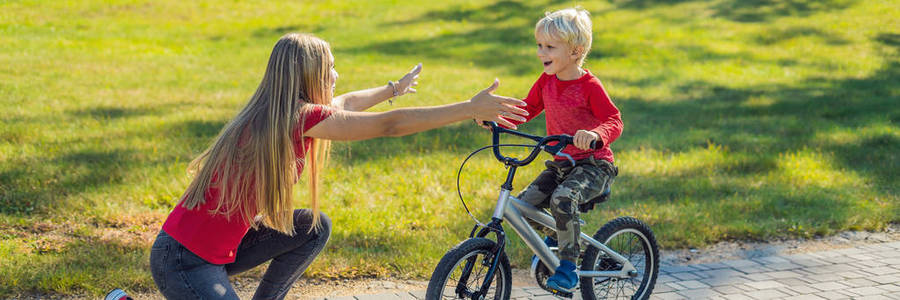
(648, 271)
(455, 260)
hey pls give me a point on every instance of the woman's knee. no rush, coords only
(303, 220)
(323, 228)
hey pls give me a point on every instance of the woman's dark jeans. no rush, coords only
(180, 274)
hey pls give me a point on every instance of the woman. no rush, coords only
(237, 214)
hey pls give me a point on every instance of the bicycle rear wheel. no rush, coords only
(632, 239)
(462, 271)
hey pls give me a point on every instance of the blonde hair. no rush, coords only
(252, 161)
(571, 25)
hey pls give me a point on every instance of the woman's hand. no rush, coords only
(364, 99)
(489, 107)
(408, 81)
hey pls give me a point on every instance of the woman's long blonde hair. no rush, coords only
(252, 161)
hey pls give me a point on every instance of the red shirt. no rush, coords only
(572, 105)
(214, 237)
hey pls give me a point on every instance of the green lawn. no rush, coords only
(744, 119)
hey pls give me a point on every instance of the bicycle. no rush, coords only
(625, 263)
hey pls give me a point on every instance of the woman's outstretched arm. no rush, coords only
(349, 125)
(364, 99)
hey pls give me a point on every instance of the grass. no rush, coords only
(743, 120)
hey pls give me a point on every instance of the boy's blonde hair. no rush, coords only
(571, 25)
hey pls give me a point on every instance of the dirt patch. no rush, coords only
(316, 288)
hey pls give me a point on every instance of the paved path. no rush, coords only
(866, 272)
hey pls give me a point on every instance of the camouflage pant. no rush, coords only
(561, 187)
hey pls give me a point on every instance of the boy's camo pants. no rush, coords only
(561, 187)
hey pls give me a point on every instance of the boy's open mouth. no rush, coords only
(547, 63)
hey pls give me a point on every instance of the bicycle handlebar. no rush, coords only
(563, 140)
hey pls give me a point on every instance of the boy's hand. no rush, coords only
(583, 139)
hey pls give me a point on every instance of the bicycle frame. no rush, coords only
(516, 213)
(520, 210)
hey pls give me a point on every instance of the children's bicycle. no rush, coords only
(621, 260)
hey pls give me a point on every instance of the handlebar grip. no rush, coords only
(570, 140)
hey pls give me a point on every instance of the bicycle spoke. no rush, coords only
(625, 238)
(476, 277)
(631, 247)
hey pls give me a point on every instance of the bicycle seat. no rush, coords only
(587, 206)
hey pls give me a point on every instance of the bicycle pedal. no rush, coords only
(563, 294)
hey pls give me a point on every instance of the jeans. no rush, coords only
(180, 274)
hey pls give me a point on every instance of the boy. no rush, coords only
(575, 103)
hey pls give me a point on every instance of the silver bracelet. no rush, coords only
(394, 87)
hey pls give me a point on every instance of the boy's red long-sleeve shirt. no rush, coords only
(572, 105)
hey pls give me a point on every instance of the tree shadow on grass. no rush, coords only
(197, 129)
(505, 46)
(795, 114)
(489, 14)
(774, 36)
(711, 210)
(34, 185)
(277, 31)
(111, 112)
(498, 47)
(766, 10)
(799, 118)
(493, 13)
(876, 156)
(645, 4)
(750, 10)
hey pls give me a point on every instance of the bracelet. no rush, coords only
(394, 87)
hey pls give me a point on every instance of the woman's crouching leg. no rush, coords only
(299, 251)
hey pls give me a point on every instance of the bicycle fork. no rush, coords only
(496, 227)
(493, 227)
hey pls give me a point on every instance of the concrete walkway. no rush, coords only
(866, 272)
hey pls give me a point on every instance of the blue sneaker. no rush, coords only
(550, 242)
(564, 279)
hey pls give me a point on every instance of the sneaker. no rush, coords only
(550, 242)
(564, 279)
(117, 294)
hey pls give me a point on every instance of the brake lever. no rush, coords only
(567, 156)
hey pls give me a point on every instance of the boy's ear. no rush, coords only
(576, 52)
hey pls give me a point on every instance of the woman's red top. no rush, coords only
(214, 237)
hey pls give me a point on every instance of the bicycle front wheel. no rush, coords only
(463, 270)
(632, 239)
